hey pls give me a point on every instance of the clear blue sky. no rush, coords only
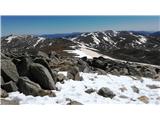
(67, 24)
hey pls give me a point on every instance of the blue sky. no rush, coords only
(67, 24)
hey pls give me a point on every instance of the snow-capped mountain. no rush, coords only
(126, 45)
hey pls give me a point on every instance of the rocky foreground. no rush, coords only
(35, 78)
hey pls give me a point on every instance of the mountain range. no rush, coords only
(135, 46)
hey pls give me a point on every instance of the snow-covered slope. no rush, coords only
(75, 90)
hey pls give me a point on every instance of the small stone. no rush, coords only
(89, 91)
(153, 86)
(135, 89)
(144, 99)
(123, 89)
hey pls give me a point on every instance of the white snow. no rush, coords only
(50, 44)
(75, 90)
(9, 39)
(142, 39)
(39, 39)
(96, 40)
(79, 53)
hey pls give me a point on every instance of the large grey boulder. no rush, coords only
(9, 71)
(9, 86)
(73, 73)
(106, 92)
(43, 62)
(28, 87)
(42, 76)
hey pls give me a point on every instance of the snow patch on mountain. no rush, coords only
(96, 40)
(39, 39)
(10, 38)
(142, 39)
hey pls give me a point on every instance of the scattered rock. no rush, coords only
(114, 71)
(98, 63)
(158, 98)
(42, 54)
(135, 89)
(47, 92)
(153, 86)
(73, 102)
(41, 75)
(100, 71)
(9, 71)
(9, 102)
(61, 77)
(89, 91)
(106, 92)
(3, 93)
(144, 99)
(53, 54)
(73, 73)
(9, 86)
(123, 96)
(123, 89)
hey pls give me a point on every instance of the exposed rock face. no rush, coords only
(9, 86)
(28, 87)
(42, 76)
(73, 73)
(106, 92)
(9, 71)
